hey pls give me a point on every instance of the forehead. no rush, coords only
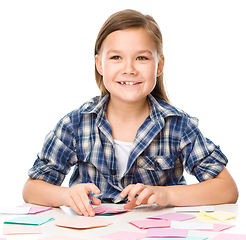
(129, 39)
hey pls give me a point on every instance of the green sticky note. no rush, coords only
(29, 220)
(105, 214)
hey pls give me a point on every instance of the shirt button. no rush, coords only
(113, 172)
(157, 164)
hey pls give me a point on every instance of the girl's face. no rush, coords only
(129, 64)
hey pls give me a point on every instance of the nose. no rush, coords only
(128, 68)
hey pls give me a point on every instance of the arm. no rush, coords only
(43, 193)
(53, 163)
(220, 190)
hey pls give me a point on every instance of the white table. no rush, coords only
(120, 222)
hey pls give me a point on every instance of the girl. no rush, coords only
(129, 145)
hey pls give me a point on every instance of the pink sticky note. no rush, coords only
(219, 227)
(145, 224)
(166, 232)
(38, 209)
(107, 210)
(82, 223)
(22, 230)
(59, 238)
(229, 236)
(123, 235)
(174, 216)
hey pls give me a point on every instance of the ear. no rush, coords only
(99, 64)
(160, 65)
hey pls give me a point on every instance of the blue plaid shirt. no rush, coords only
(168, 142)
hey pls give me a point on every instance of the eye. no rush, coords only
(116, 58)
(141, 58)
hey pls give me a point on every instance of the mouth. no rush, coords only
(129, 83)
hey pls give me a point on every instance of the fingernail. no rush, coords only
(86, 214)
(137, 202)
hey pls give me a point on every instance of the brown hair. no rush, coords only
(131, 19)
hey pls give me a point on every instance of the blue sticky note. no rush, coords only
(29, 220)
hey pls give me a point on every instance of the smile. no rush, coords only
(129, 83)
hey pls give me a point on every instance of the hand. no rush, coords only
(146, 195)
(77, 197)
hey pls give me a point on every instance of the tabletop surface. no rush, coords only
(120, 222)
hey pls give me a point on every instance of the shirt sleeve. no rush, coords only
(57, 156)
(201, 157)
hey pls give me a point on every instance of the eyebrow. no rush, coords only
(138, 52)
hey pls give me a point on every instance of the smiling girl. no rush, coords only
(129, 144)
(129, 63)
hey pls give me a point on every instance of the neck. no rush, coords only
(127, 110)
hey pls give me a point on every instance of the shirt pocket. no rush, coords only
(155, 163)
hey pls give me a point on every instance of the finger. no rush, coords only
(91, 187)
(89, 200)
(71, 203)
(78, 201)
(136, 190)
(126, 190)
(96, 201)
(130, 205)
(151, 200)
(89, 211)
(143, 196)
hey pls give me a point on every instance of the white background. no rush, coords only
(47, 70)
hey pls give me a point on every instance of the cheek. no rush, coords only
(108, 69)
(108, 76)
(150, 72)
(151, 76)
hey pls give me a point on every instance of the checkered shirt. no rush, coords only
(168, 142)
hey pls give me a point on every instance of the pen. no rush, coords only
(89, 195)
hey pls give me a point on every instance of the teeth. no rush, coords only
(128, 83)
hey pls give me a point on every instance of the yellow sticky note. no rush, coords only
(201, 216)
(218, 215)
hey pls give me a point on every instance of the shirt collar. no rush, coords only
(96, 105)
(159, 108)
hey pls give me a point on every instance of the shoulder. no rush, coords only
(92, 105)
(179, 124)
(89, 109)
(169, 112)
